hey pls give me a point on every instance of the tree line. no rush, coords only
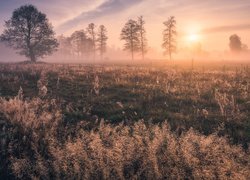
(30, 32)
(85, 43)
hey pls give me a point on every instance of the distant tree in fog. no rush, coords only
(169, 37)
(102, 40)
(235, 44)
(142, 36)
(65, 46)
(30, 32)
(244, 47)
(92, 35)
(80, 43)
(130, 34)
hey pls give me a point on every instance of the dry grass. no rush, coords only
(35, 144)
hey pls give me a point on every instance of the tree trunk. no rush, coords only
(102, 56)
(32, 56)
(32, 59)
(142, 46)
(143, 56)
(132, 54)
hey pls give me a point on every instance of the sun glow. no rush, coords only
(193, 37)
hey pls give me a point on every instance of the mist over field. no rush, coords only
(118, 56)
(114, 89)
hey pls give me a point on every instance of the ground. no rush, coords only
(206, 98)
(155, 121)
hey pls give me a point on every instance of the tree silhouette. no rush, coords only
(102, 40)
(65, 46)
(92, 35)
(235, 44)
(169, 37)
(77, 40)
(80, 43)
(130, 34)
(29, 31)
(142, 37)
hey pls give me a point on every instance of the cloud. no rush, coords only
(106, 8)
(226, 28)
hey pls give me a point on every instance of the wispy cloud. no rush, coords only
(106, 8)
(226, 28)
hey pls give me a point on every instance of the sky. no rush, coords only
(209, 22)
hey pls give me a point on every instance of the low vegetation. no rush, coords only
(117, 122)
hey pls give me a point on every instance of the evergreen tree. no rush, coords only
(92, 35)
(142, 36)
(102, 40)
(169, 37)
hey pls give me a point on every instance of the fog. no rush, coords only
(118, 56)
(8, 55)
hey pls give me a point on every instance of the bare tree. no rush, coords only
(169, 36)
(29, 31)
(142, 38)
(130, 34)
(102, 40)
(92, 35)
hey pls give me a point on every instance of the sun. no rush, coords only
(193, 37)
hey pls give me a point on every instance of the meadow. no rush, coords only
(124, 121)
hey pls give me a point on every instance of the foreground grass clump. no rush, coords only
(36, 143)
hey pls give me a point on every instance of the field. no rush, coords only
(118, 122)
